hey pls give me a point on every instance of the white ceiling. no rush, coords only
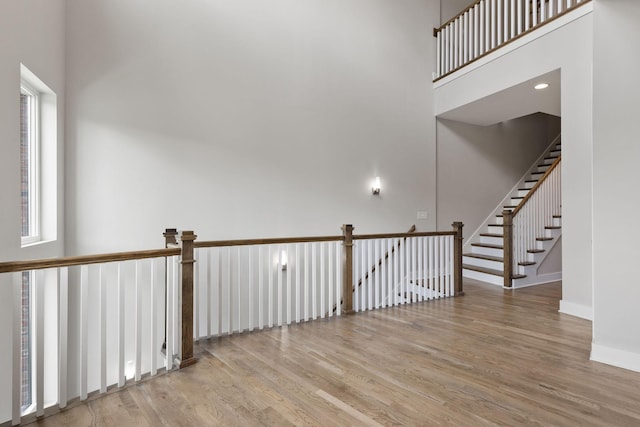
(516, 101)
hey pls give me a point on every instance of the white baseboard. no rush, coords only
(577, 310)
(615, 357)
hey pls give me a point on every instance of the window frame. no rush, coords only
(34, 163)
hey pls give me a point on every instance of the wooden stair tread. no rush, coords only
(510, 207)
(552, 227)
(557, 216)
(531, 180)
(483, 270)
(485, 257)
(535, 251)
(544, 239)
(526, 263)
(490, 271)
(491, 235)
(496, 225)
(487, 245)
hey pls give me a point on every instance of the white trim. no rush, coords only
(615, 357)
(575, 309)
(536, 280)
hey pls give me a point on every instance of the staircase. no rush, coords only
(484, 254)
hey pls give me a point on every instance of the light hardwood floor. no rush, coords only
(491, 357)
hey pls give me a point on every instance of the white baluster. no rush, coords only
(298, 265)
(280, 279)
(121, 308)
(238, 288)
(260, 288)
(154, 320)
(63, 331)
(439, 42)
(331, 283)
(306, 281)
(250, 283)
(499, 23)
(138, 324)
(16, 347)
(196, 295)
(102, 308)
(314, 281)
(84, 322)
(270, 288)
(322, 280)
(38, 374)
(288, 269)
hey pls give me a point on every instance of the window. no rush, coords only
(29, 163)
(38, 160)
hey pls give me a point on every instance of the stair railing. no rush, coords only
(487, 25)
(528, 222)
(209, 288)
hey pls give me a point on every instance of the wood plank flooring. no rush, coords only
(491, 357)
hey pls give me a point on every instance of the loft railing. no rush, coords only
(109, 314)
(97, 319)
(528, 223)
(246, 285)
(487, 25)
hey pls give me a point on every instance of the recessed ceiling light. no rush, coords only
(541, 86)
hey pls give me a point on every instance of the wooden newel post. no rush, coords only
(347, 269)
(187, 262)
(170, 235)
(507, 247)
(457, 259)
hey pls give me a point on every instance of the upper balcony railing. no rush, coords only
(487, 25)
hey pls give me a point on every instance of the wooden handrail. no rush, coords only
(535, 187)
(16, 266)
(403, 235)
(266, 241)
(476, 2)
(465, 10)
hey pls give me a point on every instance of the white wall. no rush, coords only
(570, 49)
(479, 165)
(616, 176)
(450, 8)
(31, 32)
(246, 119)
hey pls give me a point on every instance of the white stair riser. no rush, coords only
(529, 184)
(535, 176)
(514, 202)
(554, 153)
(523, 193)
(499, 221)
(495, 229)
(543, 168)
(487, 251)
(485, 263)
(557, 222)
(484, 277)
(491, 240)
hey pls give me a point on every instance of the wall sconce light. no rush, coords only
(375, 189)
(283, 260)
